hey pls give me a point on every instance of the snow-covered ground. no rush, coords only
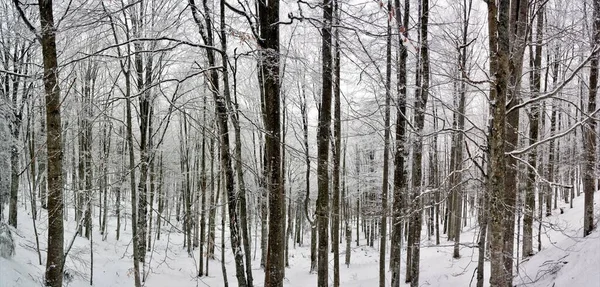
(566, 259)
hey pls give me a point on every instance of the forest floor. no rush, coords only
(566, 259)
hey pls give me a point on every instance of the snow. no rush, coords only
(566, 258)
(7, 244)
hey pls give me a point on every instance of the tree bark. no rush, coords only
(269, 43)
(589, 135)
(323, 138)
(386, 151)
(400, 152)
(221, 112)
(517, 42)
(238, 157)
(54, 259)
(498, 17)
(535, 63)
(337, 149)
(414, 247)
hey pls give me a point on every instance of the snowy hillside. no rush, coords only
(566, 259)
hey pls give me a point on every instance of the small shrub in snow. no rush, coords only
(7, 244)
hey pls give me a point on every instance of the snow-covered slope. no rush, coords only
(566, 259)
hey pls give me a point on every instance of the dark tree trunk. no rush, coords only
(54, 259)
(203, 206)
(224, 144)
(457, 145)
(517, 42)
(337, 149)
(386, 152)
(414, 247)
(498, 17)
(14, 174)
(535, 63)
(269, 43)
(402, 22)
(238, 158)
(323, 138)
(589, 134)
(313, 224)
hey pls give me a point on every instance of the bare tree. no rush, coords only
(498, 16)
(422, 93)
(47, 36)
(401, 151)
(386, 151)
(269, 32)
(535, 63)
(590, 138)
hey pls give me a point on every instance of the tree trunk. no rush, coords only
(54, 259)
(459, 115)
(347, 213)
(269, 43)
(238, 160)
(590, 138)
(535, 63)
(386, 152)
(337, 149)
(120, 153)
(223, 131)
(224, 203)
(419, 118)
(483, 227)
(517, 43)
(402, 22)
(323, 138)
(498, 17)
(14, 174)
(210, 248)
(203, 206)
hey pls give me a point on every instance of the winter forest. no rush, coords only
(299, 143)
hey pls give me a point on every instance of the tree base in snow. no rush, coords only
(7, 244)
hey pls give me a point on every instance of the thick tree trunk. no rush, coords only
(54, 259)
(14, 176)
(323, 138)
(589, 135)
(414, 246)
(400, 152)
(498, 17)
(268, 15)
(517, 43)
